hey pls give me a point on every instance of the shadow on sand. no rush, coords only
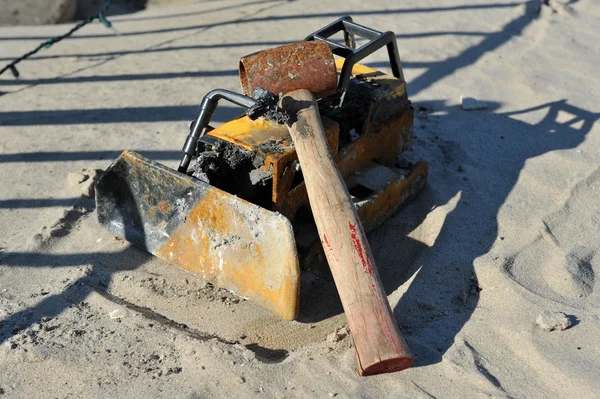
(444, 292)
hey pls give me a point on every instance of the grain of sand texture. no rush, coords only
(490, 272)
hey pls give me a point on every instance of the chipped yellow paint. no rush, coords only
(357, 69)
(249, 134)
(241, 247)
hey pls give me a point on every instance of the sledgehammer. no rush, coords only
(377, 340)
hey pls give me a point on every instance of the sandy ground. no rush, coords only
(501, 246)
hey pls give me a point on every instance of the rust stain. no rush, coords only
(384, 136)
(164, 206)
(302, 65)
(260, 263)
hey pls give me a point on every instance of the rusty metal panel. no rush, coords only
(230, 242)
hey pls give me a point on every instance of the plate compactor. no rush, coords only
(236, 213)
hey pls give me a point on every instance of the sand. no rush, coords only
(504, 235)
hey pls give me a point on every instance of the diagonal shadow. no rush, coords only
(491, 42)
(263, 44)
(64, 156)
(432, 335)
(121, 78)
(444, 291)
(188, 14)
(75, 293)
(21, 203)
(112, 115)
(292, 17)
(236, 45)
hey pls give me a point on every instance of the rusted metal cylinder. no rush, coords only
(302, 65)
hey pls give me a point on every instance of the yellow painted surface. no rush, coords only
(357, 69)
(241, 247)
(249, 134)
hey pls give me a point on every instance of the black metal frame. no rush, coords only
(352, 54)
(207, 109)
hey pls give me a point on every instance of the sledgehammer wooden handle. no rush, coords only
(379, 346)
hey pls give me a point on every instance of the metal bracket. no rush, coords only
(352, 55)
(207, 109)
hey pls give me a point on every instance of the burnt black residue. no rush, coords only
(233, 169)
(267, 106)
(213, 165)
(270, 147)
(352, 114)
(368, 102)
(293, 106)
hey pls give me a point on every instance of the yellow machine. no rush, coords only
(239, 217)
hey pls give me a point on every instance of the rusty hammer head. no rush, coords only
(302, 65)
